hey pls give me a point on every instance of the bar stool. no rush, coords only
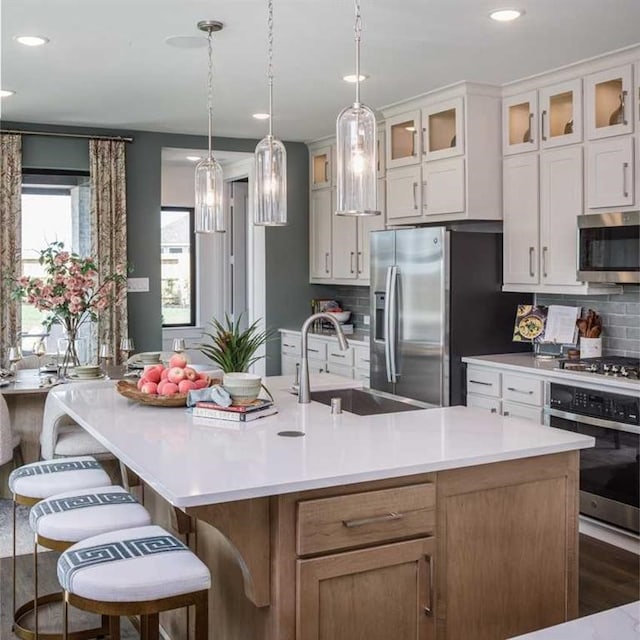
(31, 483)
(62, 520)
(141, 571)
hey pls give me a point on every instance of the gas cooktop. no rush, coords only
(613, 366)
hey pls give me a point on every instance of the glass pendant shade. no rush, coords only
(271, 183)
(209, 214)
(357, 179)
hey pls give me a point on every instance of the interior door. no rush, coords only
(236, 249)
(421, 313)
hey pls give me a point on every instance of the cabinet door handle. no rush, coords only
(531, 138)
(414, 152)
(485, 384)
(326, 262)
(358, 269)
(531, 271)
(494, 410)
(542, 119)
(428, 607)
(424, 197)
(529, 392)
(424, 146)
(625, 166)
(351, 257)
(415, 199)
(544, 261)
(623, 106)
(326, 171)
(361, 522)
(505, 413)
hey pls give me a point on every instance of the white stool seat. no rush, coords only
(43, 479)
(134, 565)
(75, 515)
(73, 440)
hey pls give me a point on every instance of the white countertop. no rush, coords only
(526, 363)
(193, 462)
(621, 623)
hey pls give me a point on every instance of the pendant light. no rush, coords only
(209, 215)
(356, 145)
(270, 160)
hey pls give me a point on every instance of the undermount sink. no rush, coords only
(367, 402)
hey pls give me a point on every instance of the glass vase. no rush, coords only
(72, 352)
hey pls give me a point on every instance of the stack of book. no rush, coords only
(257, 409)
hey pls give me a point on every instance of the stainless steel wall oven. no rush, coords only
(609, 472)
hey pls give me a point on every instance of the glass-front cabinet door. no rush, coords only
(609, 103)
(321, 168)
(403, 139)
(561, 114)
(520, 123)
(443, 130)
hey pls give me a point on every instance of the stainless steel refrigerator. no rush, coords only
(436, 297)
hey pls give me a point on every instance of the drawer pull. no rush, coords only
(485, 384)
(337, 355)
(494, 410)
(313, 350)
(528, 393)
(360, 522)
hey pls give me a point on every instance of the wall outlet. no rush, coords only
(366, 320)
(138, 285)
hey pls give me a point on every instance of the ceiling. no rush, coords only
(107, 63)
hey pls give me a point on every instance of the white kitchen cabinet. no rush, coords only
(443, 187)
(366, 225)
(609, 102)
(525, 412)
(560, 205)
(443, 129)
(321, 167)
(520, 123)
(561, 114)
(492, 405)
(611, 173)
(320, 220)
(521, 220)
(522, 389)
(402, 139)
(404, 197)
(344, 247)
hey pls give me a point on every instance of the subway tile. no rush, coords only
(620, 344)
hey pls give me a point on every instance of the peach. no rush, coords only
(163, 374)
(200, 384)
(152, 374)
(176, 375)
(203, 376)
(191, 374)
(141, 382)
(177, 360)
(169, 389)
(184, 386)
(150, 387)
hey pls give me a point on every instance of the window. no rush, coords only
(178, 267)
(55, 207)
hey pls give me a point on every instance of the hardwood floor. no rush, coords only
(609, 577)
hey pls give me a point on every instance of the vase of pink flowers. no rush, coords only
(71, 293)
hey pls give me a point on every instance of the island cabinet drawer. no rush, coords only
(316, 349)
(362, 358)
(524, 389)
(483, 381)
(335, 356)
(492, 405)
(290, 344)
(361, 519)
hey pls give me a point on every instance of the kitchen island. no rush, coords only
(434, 523)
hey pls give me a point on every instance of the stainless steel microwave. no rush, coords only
(609, 247)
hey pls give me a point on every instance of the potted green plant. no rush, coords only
(233, 348)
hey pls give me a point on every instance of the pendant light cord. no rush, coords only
(357, 30)
(210, 90)
(270, 64)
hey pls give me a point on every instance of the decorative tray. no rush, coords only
(129, 390)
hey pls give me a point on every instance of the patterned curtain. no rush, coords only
(10, 236)
(109, 230)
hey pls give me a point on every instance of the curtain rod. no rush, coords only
(65, 135)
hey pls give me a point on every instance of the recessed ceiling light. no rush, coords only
(261, 116)
(32, 41)
(193, 158)
(506, 15)
(353, 78)
(5, 93)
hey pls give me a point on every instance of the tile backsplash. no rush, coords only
(620, 317)
(356, 300)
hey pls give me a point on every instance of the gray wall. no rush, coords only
(287, 249)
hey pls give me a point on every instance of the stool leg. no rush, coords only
(13, 560)
(144, 627)
(153, 626)
(114, 627)
(202, 618)
(65, 616)
(35, 587)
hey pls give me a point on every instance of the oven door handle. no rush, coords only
(591, 420)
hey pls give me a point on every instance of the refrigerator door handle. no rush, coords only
(393, 322)
(386, 333)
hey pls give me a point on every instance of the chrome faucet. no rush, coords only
(304, 392)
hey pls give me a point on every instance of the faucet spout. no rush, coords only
(304, 392)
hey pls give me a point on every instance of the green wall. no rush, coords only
(287, 261)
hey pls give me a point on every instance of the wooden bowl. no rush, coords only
(129, 390)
